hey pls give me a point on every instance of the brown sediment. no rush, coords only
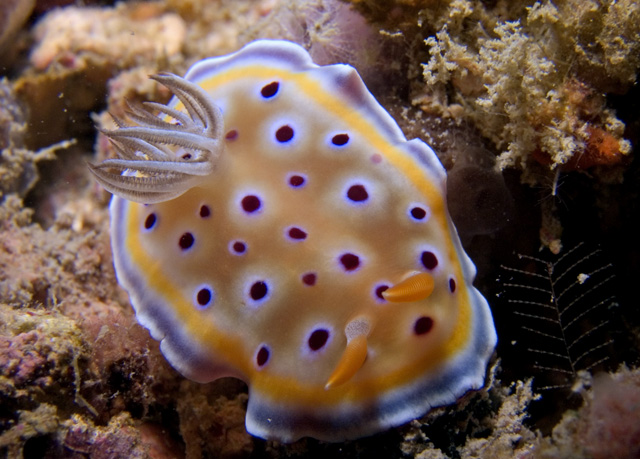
(13, 15)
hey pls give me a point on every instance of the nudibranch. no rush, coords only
(272, 223)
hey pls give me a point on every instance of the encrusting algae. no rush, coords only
(505, 93)
(520, 89)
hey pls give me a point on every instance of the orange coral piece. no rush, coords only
(601, 149)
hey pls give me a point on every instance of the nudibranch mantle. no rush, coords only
(274, 224)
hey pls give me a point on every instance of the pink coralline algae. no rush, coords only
(19, 359)
(613, 416)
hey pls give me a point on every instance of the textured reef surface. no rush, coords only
(531, 106)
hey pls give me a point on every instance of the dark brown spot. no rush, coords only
(186, 241)
(239, 247)
(297, 233)
(418, 213)
(452, 285)
(350, 261)
(250, 203)
(357, 193)
(186, 156)
(380, 289)
(429, 260)
(258, 290)
(203, 296)
(340, 139)
(150, 221)
(231, 135)
(263, 356)
(318, 339)
(423, 325)
(296, 181)
(284, 133)
(270, 90)
(309, 279)
(205, 211)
